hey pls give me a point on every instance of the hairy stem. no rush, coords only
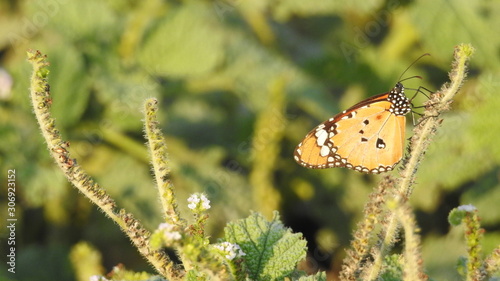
(423, 132)
(413, 270)
(492, 262)
(402, 187)
(160, 162)
(41, 101)
(360, 246)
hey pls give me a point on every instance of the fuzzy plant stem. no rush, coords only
(428, 124)
(413, 270)
(473, 236)
(423, 132)
(475, 267)
(492, 262)
(364, 234)
(160, 162)
(41, 101)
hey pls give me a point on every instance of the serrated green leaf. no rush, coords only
(392, 268)
(272, 250)
(319, 276)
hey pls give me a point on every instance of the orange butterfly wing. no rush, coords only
(368, 137)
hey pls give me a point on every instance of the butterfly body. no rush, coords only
(368, 137)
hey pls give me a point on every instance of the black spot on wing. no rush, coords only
(380, 143)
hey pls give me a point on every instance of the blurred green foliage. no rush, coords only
(213, 64)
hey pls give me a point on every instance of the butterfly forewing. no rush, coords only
(368, 137)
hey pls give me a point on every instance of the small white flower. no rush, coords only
(230, 250)
(205, 203)
(97, 278)
(238, 250)
(169, 232)
(230, 256)
(6, 83)
(165, 226)
(467, 208)
(195, 199)
(173, 236)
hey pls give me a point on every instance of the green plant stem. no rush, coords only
(160, 162)
(269, 130)
(413, 257)
(41, 101)
(473, 236)
(126, 143)
(423, 132)
(438, 104)
(360, 245)
(492, 262)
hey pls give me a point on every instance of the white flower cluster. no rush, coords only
(195, 200)
(169, 232)
(467, 208)
(97, 278)
(230, 250)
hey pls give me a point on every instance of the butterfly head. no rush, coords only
(400, 104)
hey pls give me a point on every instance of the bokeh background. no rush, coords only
(240, 83)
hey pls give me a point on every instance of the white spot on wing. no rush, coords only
(321, 135)
(325, 150)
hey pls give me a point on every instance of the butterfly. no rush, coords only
(369, 137)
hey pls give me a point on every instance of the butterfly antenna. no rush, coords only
(408, 78)
(426, 54)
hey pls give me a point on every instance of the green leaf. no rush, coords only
(70, 86)
(67, 18)
(319, 276)
(272, 250)
(432, 21)
(457, 215)
(392, 268)
(188, 42)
